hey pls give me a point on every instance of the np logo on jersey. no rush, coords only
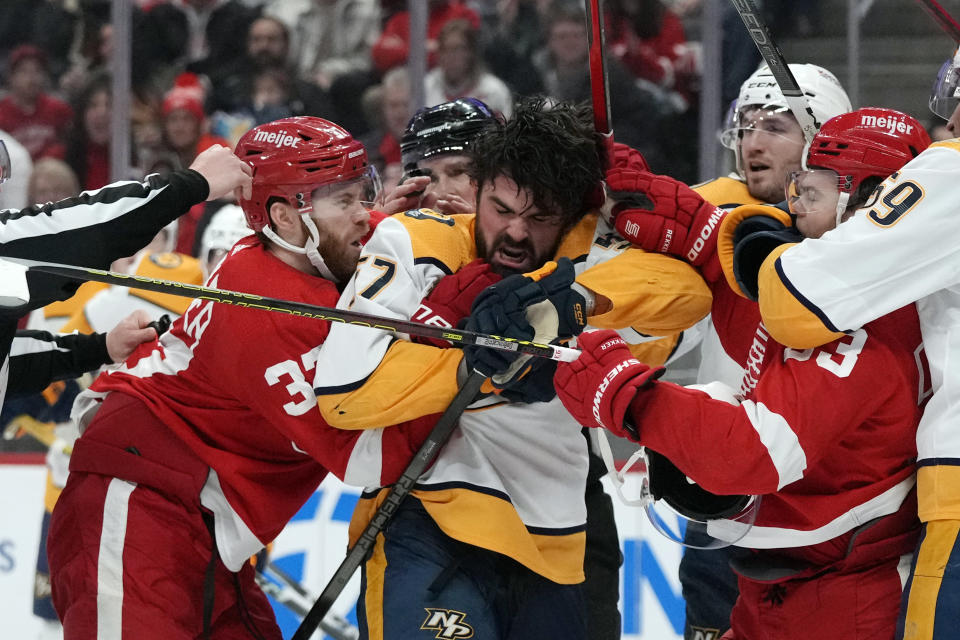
(447, 624)
(277, 139)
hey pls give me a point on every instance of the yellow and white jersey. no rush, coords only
(109, 306)
(511, 479)
(899, 248)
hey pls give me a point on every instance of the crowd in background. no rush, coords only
(205, 71)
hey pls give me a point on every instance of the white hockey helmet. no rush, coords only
(824, 93)
(227, 226)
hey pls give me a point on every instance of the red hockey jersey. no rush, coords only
(231, 383)
(826, 435)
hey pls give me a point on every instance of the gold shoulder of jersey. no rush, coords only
(69, 307)
(725, 192)
(579, 239)
(169, 266)
(953, 143)
(447, 239)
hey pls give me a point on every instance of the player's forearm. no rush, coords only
(656, 295)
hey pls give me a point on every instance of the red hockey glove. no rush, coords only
(451, 298)
(625, 157)
(663, 215)
(598, 387)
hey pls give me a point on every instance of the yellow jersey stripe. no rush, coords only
(939, 539)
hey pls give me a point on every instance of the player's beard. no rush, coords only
(338, 249)
(534, 259)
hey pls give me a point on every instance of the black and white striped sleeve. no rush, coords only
(94, 228)
(97, 227)
(38, 358)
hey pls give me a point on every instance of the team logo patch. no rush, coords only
(166, 260)
(447, 624)
(429, 214)
(702, 633)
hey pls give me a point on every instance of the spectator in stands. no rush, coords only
(52, 180)
(184, 120)
(511, 35)
(185, 137)
(88, 143)
(389, 110)
(241, 85)
(460, 72)
(28, 113)
(393, 46)
(14, 194)
(649, 39)
(330, 46)
(329, 38)
(563, 66)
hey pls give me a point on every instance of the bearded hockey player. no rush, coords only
(197, 451)
(495, 529)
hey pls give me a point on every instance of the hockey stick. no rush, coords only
(943, 19)
(460, 337)
(357, 554)
(791, 90)
(292, 595)
(599, 84)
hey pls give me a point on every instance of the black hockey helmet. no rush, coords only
(446, 128)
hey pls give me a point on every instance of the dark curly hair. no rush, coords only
(550, 149)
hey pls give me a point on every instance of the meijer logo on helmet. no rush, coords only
(278, 139)
(890, 124)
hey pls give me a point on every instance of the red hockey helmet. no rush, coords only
(868, 142)
(291, 157)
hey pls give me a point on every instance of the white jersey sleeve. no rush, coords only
(903, 245)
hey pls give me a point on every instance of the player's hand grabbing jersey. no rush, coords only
(511, 477)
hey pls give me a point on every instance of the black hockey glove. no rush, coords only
(754, 239)
(544, 310)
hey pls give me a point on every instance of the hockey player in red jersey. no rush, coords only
(826, 435)
(199, 449)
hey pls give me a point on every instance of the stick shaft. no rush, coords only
(459, 337)
(943, 19)
(760, 33)
(404, 485)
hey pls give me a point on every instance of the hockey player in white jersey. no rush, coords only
(494, 532)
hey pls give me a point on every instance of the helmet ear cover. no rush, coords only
(670, 484)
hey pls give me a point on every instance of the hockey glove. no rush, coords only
(451, 298)
(663, 215)
(625, 157)
(747, 236)
(598, 387)
(540, 307)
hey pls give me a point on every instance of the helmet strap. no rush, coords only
(842, 206)
(310, 246)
